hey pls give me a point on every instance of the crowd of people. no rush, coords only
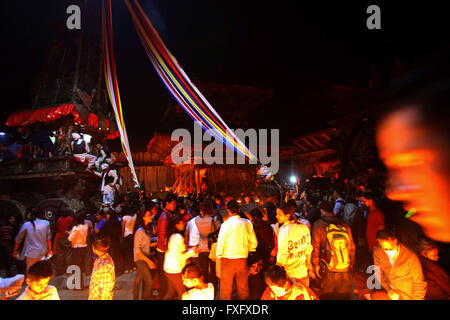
(306, 245)
(27, 143)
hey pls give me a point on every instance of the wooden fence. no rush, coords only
(150, 169)
(156, 174)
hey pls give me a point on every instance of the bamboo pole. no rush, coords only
(213, 178)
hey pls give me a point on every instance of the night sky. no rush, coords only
(290, 46)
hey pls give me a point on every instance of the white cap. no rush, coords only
(105, 165)
(76, 136)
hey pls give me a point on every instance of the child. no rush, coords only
(193, 278)
(38, 277)
(103, 273)
(280, 287)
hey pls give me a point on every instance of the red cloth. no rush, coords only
(112, 135)
(163, 229)
(29, 117)
(92, 120)
(186, 217)
(375, 222)
(62, 225)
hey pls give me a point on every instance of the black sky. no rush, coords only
(294, 47)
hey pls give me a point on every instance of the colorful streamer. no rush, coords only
(112, 85)
(179, 84)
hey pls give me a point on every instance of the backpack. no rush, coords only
(338, 244)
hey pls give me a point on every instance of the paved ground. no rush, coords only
(122, 291)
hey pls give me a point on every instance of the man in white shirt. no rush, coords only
(236, 239)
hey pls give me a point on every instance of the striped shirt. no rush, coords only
(161, 231)
(103, 279)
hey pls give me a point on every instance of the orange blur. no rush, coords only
(417, 163)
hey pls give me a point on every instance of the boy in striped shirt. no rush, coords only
(103, 273)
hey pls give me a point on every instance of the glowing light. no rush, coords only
(293, 179)
(2, 134)
(87, 138)
(410, 213)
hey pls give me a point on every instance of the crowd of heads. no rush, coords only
(289, 205)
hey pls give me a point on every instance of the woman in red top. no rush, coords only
(375, 220)
(62, 246)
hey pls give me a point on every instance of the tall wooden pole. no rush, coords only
(100, 69)
(80, 43)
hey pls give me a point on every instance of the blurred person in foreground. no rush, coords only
(413, 144)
